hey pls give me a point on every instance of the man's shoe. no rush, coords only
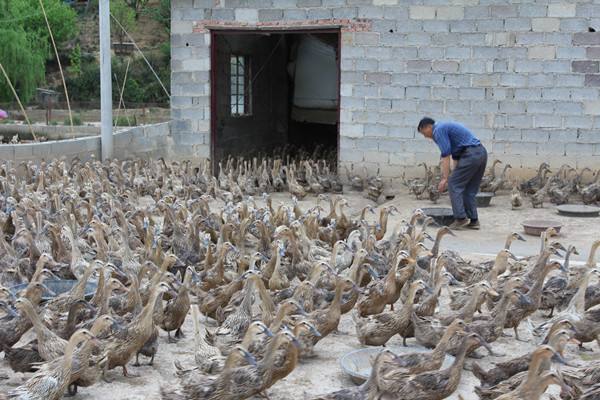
(473, 225)
(459, 224)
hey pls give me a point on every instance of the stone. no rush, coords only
(562, 10)
(450, 12)
(592, 80)
(542, 52)
(585, 67)
(421, 12)
(545, 24)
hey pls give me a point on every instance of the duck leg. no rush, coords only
(171, 340)
(151, 360)
(104, 371)
(137, 360)
(72, 390)
(551, 313)
(128, 374)
(516, 329)
(179, 333)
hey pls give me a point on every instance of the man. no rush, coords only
(470, 158)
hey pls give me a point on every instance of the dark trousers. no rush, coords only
(464, 182)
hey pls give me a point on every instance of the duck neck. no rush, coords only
(440, 349)
(577, 303)
(470, 307)
(436, 245)
(535, 293)
(100, 290)
(455, 370)
(591, 262)
(499, 267)
(502, 311)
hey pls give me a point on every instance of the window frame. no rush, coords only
(241, 81)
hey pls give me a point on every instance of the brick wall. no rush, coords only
(524, 75)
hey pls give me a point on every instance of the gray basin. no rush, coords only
(357, 363)
(59, 287)
(484, 198)
(441, 215)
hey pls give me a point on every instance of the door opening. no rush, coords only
(274, 93)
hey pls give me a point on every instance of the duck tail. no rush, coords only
(170, 393)
(479, 373)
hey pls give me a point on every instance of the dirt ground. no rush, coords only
(323, 373)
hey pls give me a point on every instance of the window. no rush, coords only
(241, 88)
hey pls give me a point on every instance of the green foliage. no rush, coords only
(76, 121)
(141, 85)
(123, 120)
(125, 15)
(75, 60)
(25, 42)
(137, 5)
(161, 13)
(23, 61)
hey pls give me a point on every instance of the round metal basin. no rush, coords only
(441, 215)
(59, 287)
(357, 363)
(484, 198)
(535, 227)
(578, 210)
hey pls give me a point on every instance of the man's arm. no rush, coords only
(445, 167)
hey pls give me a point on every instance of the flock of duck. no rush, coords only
(265, 284)
(561, 187)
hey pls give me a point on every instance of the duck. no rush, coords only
(506, 369)
(499, 181)
(368, 389)
(523, 381)
(176, 310)
(416, 363)
(121, 348)
(530, 186)
(430, 385)
(516, 199)
(238, 378)
(233, 328)
(208, 358)
(376, 330)
(50, 345)
(489, 176)
(537, 388)
(555, 290)
(382, 292)
(51, 383)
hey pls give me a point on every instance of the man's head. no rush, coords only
(426, 127)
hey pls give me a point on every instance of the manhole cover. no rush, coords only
(578, 210)
(535, 227)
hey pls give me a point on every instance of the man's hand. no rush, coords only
(442, 185)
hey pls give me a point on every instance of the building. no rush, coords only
(524, 75)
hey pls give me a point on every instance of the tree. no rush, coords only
(125, 15)
(137, 5)
(25, 42)
(162, 13)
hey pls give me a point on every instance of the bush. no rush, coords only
(123, 120)
(141, 85)
(76, 121)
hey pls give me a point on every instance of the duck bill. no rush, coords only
(296, 343)
(521, 238)
(268, 332)
(315, 331)
(250, 359)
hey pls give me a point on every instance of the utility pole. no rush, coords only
(105, 82)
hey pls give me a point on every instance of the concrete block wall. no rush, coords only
(148, 141)
(524, 75)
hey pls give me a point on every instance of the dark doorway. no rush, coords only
(274, 90)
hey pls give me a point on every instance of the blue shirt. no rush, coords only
(452, 138)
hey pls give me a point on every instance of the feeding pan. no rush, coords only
(58, 287)
(484, 198)
(578, 210)
(357, 363)
(535, 227)
(441, 215)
